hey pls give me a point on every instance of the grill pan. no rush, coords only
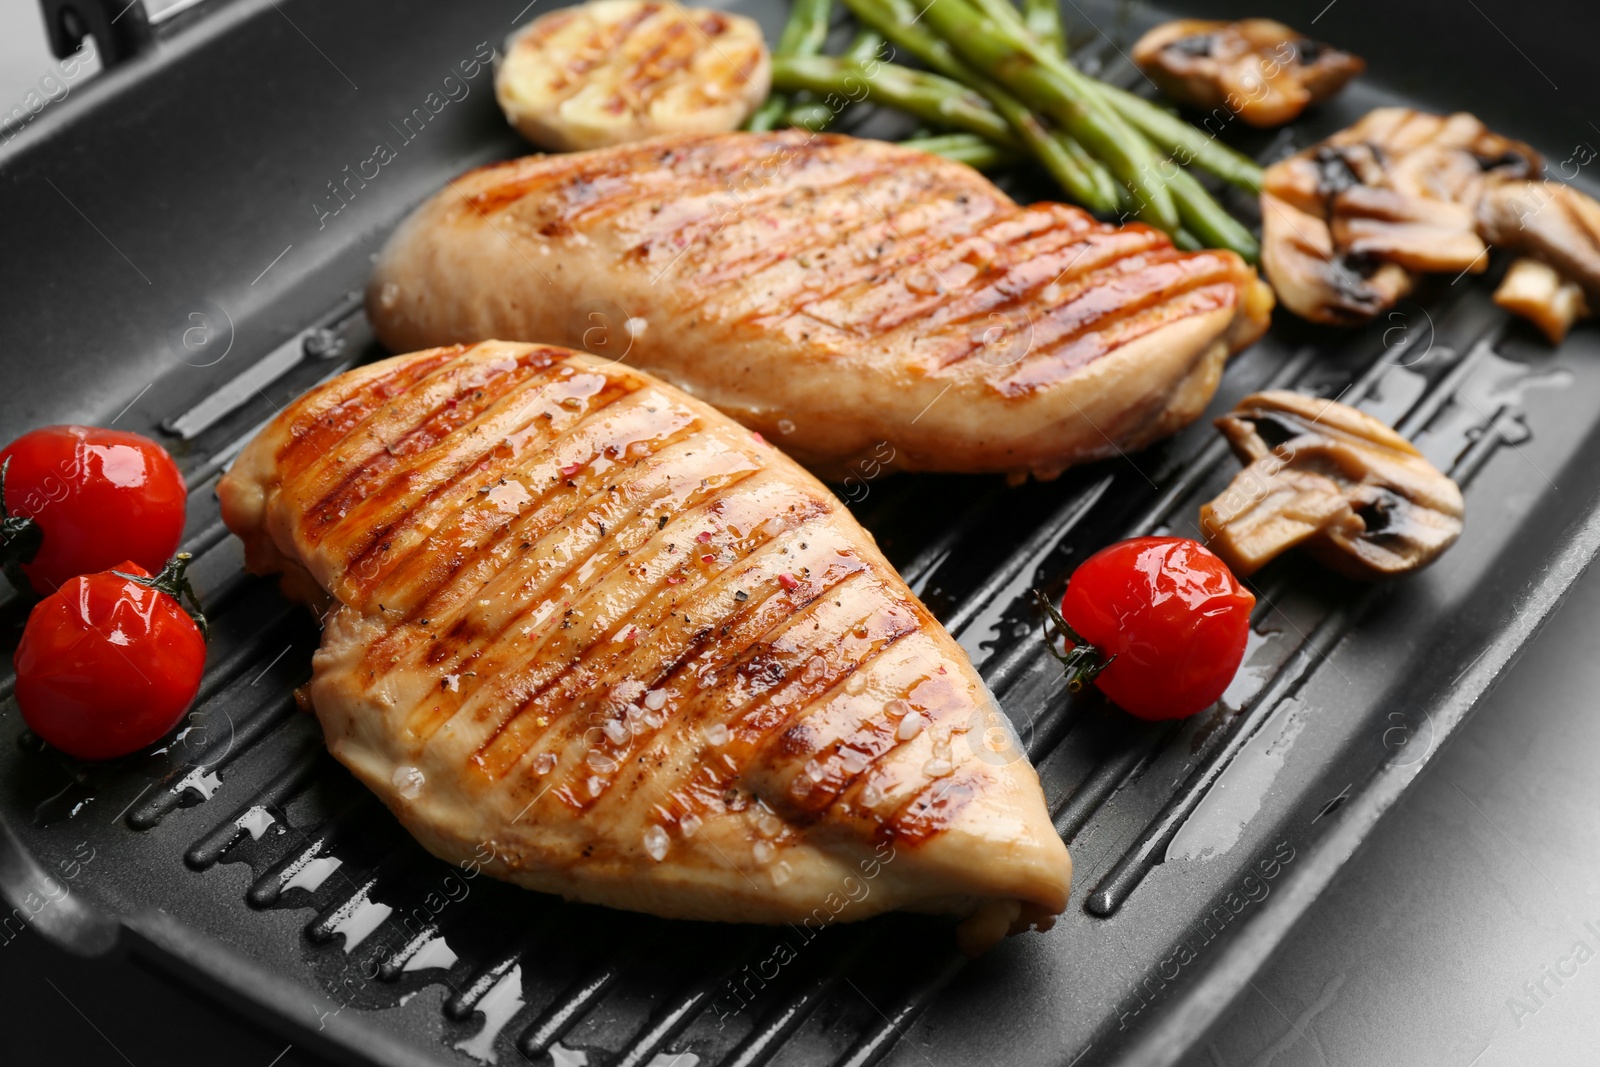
(186, 248)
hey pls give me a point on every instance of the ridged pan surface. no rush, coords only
(143, 221)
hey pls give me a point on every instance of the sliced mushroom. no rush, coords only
(1315, 280)
(1323, 476)
(1540, 294)
(1347, 224)
(1258, 69)
(1411, 232)
(1552, 222)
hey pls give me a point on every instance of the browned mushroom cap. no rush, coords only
(1416, 233)
(1348, 223)
(1314, 279)
(1552, 222)
(1258, 69)
(1540, 294)
(1325, 476)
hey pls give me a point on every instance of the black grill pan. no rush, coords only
(185, 253)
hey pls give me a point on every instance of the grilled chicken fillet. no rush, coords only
(584, 621)
(844, 297)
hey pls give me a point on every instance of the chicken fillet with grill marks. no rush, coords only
(585, 621)
(847, 298)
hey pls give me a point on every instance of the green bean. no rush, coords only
(816, 116)
(803, 35)
(1205, 219)
(1003, 14)
(897, 21)
(1179, 139)
(767, 115)
(867, 46)
(1043, 18)
(966, 148)
(926, 96)
(1108, 146)
(1054, 87)
(811, 115)
(1187, 241)
(1079, 173)
(1109, 192)
(1082, 178)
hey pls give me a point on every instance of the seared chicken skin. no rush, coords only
(849, 299)
(585, 623)
(1258, 69)
(1348, 224)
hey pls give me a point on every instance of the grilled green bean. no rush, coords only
(816, 116)
(1082, 178)
(966, 148)
(1051, 85)
(931, 97)
(1043, 18)
(1182, 141)
(1205, 218)
(803, 35)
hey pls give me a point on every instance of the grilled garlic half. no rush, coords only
(614, 71)
(1334, 481)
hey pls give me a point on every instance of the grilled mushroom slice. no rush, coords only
(1348, 223)
(1343, 485)
(613, 71)
(1538, 292)
(1316, 280)
(1258, 69)
(1549, 221)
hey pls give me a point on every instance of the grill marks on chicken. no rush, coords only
(898, 274)
(585, 619)
(825, 290)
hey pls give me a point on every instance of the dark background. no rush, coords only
(1421, 953)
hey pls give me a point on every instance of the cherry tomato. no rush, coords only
(109, 663)
(78, 499)
(1160, 623)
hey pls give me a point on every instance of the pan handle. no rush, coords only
(32, 896)
(120, 28)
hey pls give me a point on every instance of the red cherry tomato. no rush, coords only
(108, 665)
(93, 498)
(1168, 615)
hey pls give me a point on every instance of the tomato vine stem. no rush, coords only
(1082, 662)
(174, 581)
